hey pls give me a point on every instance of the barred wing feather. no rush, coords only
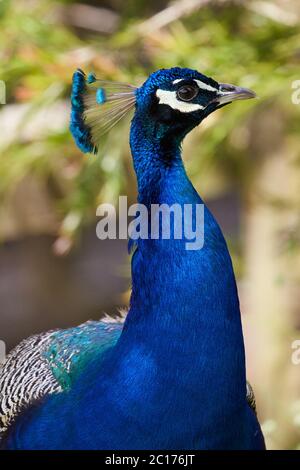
(47, 363)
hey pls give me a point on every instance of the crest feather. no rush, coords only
(97, 106)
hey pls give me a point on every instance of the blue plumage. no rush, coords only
(100, 96)
(80, 132)
(175, 379)
(97, 105)
(69, 351)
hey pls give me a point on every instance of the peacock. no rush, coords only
(170, 373)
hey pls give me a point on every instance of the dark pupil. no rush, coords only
(187, 92)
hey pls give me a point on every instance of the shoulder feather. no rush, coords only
(47, 363)
(25, 376)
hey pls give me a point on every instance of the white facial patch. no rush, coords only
(201, 85)
(205, 86)
(170, 98)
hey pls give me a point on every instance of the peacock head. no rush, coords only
(171, 101)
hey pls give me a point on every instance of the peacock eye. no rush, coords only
(187, 92)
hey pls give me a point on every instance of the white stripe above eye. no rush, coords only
(201, 85)
(170, 98)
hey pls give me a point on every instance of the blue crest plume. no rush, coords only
(97, 105)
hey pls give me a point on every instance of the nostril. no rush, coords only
(226, 87)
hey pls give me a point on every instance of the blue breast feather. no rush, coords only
(129, 399)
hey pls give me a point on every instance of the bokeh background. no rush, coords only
(244, 160)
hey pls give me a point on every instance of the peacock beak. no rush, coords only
(228, 93)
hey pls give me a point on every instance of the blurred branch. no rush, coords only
(19, 125)
(182, 8)
(101, 20)
(174, 12)
(273, 12)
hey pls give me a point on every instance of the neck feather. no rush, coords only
(157, 162)
(189, 297)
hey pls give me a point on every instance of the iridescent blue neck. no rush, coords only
(162, 267)
(158, 164)
(187, 298)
